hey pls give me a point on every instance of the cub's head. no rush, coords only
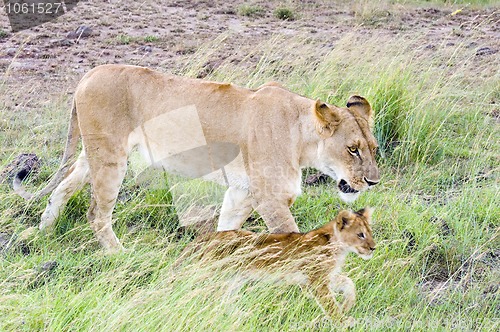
(353, 229)
(347, 147)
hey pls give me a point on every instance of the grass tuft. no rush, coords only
(251, 11)
(151, 39)
(285, 14)
(124, 39)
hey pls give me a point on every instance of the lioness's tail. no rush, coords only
(69, 152)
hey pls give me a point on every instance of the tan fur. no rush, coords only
(312, 259)
(119, 107)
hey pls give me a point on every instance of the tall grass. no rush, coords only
(436, 217)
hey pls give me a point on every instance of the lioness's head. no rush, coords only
(353, 230)
(347, 147)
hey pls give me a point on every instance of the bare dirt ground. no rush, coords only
(47, 61)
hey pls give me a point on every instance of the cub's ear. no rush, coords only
(344, 219)
(327, 119)
(367, 212)
(361, 106)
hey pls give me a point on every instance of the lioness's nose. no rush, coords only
(372, 248)
(371, 182)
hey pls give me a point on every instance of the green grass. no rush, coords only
(436, 210)
(151, 39)
(285, 13)
(251, 10)
(124, 39)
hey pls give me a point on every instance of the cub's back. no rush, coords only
(293, 251)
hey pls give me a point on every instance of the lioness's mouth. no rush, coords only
(345, 188)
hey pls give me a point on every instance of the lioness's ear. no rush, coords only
(327, 119)
(367, 212)
(362, 106)
(344, 219)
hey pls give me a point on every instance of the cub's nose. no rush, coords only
(371, 182)
(373, 248)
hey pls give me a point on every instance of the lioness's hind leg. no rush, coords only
(106, 179)
(77, 176)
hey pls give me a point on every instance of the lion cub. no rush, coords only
(312, 259)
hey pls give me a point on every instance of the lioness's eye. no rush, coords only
(353, 149)
(361, 235)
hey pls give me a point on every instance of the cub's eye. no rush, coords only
(361, 235)
(353, 149)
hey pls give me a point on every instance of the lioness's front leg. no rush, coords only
(272, 201)
(236, 208)
(273, 195)
(276, 214)
(275, 176)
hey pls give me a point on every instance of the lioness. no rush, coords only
(275, 132)
(312, 259)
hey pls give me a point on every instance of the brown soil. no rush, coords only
(46, 62)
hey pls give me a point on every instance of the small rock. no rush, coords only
(209, 68)
(48, 266)
(411, 241)
(11, 51)
(21, 66)
(42, 274)
(146, 48)
(24, 164)
(495, 114)
(62, 42)
(443, 225)
(12, 243)
(227, 11)
(5, 242)
(472, 44)
(485, 51)
(491, 290)
(82, 31)
(430, 47)
(491, 257)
